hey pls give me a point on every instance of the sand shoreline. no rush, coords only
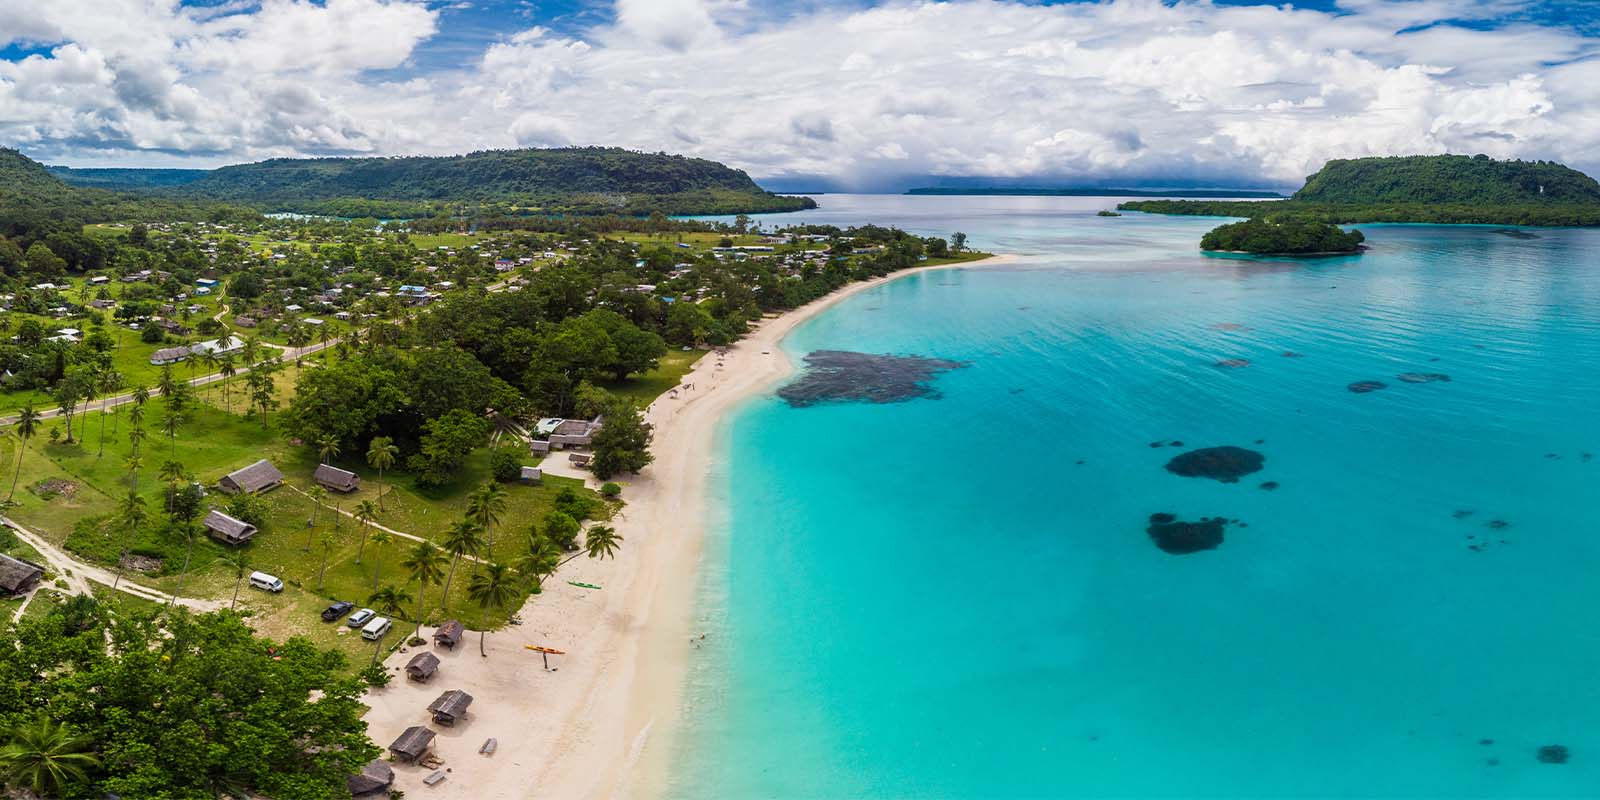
(599, 726)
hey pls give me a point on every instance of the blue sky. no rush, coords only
(849, 93)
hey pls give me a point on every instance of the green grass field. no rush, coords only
(645, 388)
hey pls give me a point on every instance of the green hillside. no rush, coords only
(566, 180)
(1447, 179)
(1426, 189)
(35, 203)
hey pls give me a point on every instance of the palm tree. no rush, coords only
(131, 515)
(380, 537)
(173, 473)
(111, 381)
(425, 562)
(492, 589)
(601, 541)
(541, 559)
(365, 511)
(228, 367)
(327, 547)
(317, 495)
(387, 601)
(328, 448)
(27, 426)
(240, 565)
(486, 505)
(47, 757)
(171, 421)
(381, 453)
(463, 539)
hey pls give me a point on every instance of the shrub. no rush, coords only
(561, 529)
(375, 676)
(505, 463)
(574, 505)
(249, 508)
(611, 490)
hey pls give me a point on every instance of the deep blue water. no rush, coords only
(957, 598)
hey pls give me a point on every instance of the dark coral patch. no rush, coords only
(1269, 485)
(1182, 538)
(1498, 524)
(1233, 363)
(1227, 463)
(1424, 377)
(863, 377)
(1362, 387)
(1554, 754)
(1293, 354)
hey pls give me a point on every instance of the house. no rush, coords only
(422, 666)
(219, 347)
(449, 634)
(169, 355)
(539, 446)
(245, 322)
(413, 744)
(18, 576)
(228, 530)
(205, 282)
(533, 474)
(377, 776)
(257, 477)
(450, 707)
(99, 280)
(339, 480)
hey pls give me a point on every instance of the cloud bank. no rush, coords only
(1128, 90)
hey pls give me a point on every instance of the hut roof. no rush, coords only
(452, 703)
(422, 665)
(16, 574)
(375, 777)
(449, 633)
(254, 478)
(337, 479)
(414, 742)
(228, 529)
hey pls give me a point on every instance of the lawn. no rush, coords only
(697, 241)
(644, 389)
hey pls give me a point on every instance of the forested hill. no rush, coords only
(34, 202)
(1447, 179)
(127, 178)
(1426, 189)
(566, 180)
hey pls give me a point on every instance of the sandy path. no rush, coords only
(81, 574)
(595, 727)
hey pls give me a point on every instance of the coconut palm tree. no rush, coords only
(327, 547)
(172, 420)
(386, 601)
(111, 382)
(492, 589)
(541, 559)
(601, 541)
(379, 537)
(485, 506)
(381, 454)
(328, 449)
(464, 538)
(173, 473)
(27, 425)
(131, 515)
(241, 565)
(425, 561)
(46, 757)
(317, 495)
(365, 512)
(228, 367)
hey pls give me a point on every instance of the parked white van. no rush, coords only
(376, 628)
(262, 580)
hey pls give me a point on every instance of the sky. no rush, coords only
(836, 94)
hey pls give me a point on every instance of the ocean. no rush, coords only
(959, 596)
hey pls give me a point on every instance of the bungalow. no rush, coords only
(66, 336)
(422, 666)
(412, 744)
(331, 477)
(228, 530)
(206, 282)
(532, 474)
(257, 477)
(18, 576)
(99, 280)
(293, 308)
(169, 355)
(450, 707)
(449, 634)
(219, 347)
(245, 322)
(202, 290)
(374, 778)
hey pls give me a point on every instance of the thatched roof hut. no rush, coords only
(449, 634)
(413, 744)
(377, 776)
(228, 530)
(18, 576)
(422, 666)
(336, 479)
(257, 477)
(450, 707)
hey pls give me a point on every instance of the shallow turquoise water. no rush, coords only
(936, 599)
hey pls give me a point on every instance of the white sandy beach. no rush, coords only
(596, 725)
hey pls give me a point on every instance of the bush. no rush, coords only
(574, 505)
(152, 334)
(611, 491)
(561, 529)
(505, 463)
(375, 675)
(249, 508)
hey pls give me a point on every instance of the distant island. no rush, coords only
(571, 180)
(1448, 189)
(1092, 192)
(1285, 236)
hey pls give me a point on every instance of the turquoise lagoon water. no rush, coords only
(956, 597)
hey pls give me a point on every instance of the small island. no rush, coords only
(1282, 236)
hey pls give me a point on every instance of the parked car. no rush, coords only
(337, 610)
(262, 580)
(360, 618)
(376, 628)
